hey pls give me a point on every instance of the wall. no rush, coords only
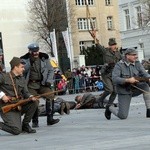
(13, 21)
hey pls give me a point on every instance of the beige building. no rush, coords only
(14, 36)
(104, 17)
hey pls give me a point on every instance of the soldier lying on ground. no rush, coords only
(85, 101)
(89, 100)
(60, 106)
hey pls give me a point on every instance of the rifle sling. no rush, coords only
(14, 87)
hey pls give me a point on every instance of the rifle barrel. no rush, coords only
(9, 107)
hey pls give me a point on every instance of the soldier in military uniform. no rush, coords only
(39, 75)
(89, 100)
(13, 88)
(61, 106)
(127, 86)
(111, 56)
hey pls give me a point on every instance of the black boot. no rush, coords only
(101, 99)
(35, 118)
(62, 107)
(101, 104)
(148, 113)
(67, 108)
(108, 112)
(28, 129)
(35, 124)
(50, 112)
(51, 121)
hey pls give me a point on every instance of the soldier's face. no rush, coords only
(20, 69)
(79, 99)
(35, 54)
(132, 57)
(113, 47)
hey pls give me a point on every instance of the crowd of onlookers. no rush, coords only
(81, 79)
(78, 80)
(146, 64)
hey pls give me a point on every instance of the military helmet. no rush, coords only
(34, 47)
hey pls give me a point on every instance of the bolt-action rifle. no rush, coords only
(10, 107)
(143, 79)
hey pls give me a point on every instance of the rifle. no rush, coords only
(91, 25)
(9, 107)
(142, 79)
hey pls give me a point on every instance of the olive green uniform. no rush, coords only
(12, 119)
(110, 59)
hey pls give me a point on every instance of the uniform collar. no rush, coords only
(128, 63)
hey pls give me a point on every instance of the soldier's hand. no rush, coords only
(131, 80)
(78, 106)
(33, 98)
(6, 99)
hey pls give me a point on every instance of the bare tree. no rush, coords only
(44, 16)
(145, 12)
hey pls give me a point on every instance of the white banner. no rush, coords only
(54, 44)
(67, 42)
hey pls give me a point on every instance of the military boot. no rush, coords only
(62, 107)
(101, 104)
(35, 124)
(27, 128)
(51, 120)
(107, 112)
(67, 108)
(148, 113)
(35, 120)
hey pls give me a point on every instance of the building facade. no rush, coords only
(103, 17)
(14, 36)
(133, 31)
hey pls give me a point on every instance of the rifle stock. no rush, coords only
(10, 107)
(142, 79)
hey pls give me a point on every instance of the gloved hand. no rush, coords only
(48, 84)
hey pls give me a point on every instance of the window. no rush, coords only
(139, 16)
(86, 24)
(83, 2)
(85, 44)
(127, 19)
(81, 44)
(107, 2)
(109, 22)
